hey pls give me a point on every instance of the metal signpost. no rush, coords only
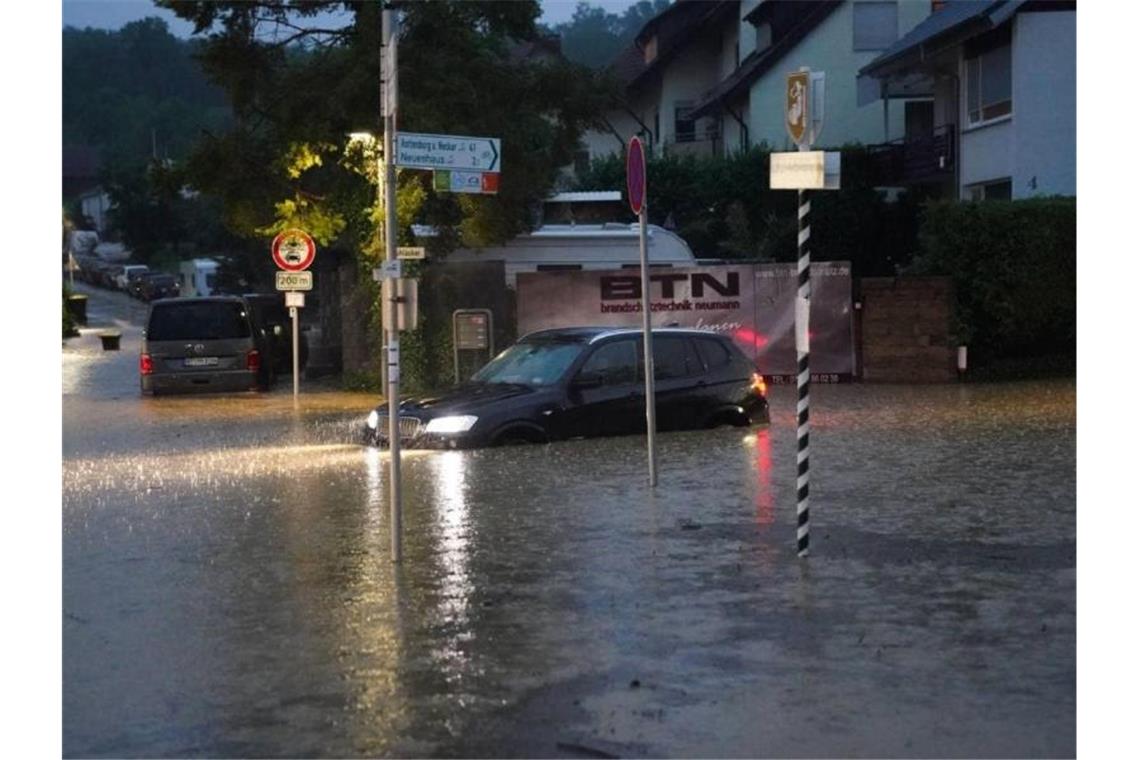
(389, 100)
(805, 170)
(294, 251)
(635, 184)
(469, 164)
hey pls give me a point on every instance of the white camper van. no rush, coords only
(197, 277)
(555, 247)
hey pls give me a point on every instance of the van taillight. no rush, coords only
(253, 360)
(759, 385)
(146, 364)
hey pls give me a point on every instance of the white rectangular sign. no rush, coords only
(388, 270)
(804, 170)
(294, 280)
(473, 154)
(295, 299)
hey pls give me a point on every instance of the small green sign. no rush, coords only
(441, 181)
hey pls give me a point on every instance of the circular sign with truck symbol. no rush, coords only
(293, 250)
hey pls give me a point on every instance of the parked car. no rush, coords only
(271, 316)
(123, 278)
(106, 275)
(583, 382)
(154, 285)
(202, 344)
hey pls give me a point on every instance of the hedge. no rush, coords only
(1014, 266)
(723, 208)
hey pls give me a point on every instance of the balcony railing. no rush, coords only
(916, 161)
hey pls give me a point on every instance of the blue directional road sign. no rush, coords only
(468, 154)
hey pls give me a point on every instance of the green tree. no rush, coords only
(297, 89)
(594, 37)
(134, 92)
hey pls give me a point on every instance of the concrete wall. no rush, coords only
(905, 330)
(1044, 104)
(830, 48)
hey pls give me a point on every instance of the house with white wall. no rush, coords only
(709, 77)
(678, 56)
(1002, 74)
(95, 205)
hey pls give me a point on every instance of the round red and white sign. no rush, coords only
(293, 250)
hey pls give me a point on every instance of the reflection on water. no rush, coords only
(252, 607)
(448, 474)
(765, 501)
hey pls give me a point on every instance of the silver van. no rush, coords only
(202, 344)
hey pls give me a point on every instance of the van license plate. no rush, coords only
(201, 361)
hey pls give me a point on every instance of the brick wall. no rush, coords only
(906, 330)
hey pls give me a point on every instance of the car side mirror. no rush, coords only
(586, 380)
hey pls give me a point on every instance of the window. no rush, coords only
(763, 37)
(615, 363)
(674, 357)
(714, 353)
(876, 25)
(558, 267)
(999, 190)
(684, 127)
(989, 91)
(651, 49)
(217, 320)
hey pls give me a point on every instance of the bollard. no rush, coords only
(961, 362)
(110, 340)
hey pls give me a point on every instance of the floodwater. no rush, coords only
(228, 588)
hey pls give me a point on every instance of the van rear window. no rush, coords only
(218, 320)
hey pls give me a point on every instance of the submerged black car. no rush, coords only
(582, 382)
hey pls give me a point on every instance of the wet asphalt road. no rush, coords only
(228, 589)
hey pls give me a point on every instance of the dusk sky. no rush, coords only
(112, 14)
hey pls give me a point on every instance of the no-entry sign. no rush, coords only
(293, 250)
(635, 174)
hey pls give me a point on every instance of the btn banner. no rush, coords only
(753, 303)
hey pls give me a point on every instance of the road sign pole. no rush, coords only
(803, 375)
(296, 359)
(389, 36)
(650, 391)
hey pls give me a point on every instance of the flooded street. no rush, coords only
(228, 588)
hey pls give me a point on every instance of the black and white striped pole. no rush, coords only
(801, 171)
(803, 374)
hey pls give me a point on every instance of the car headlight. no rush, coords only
(449, 425)
(373, 419)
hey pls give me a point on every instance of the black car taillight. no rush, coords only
(253, 360)
(146, 364)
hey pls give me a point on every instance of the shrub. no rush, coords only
(1014, 269)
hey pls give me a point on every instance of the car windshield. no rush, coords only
(204, 320)
(531, 363)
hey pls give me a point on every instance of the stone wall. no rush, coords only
(905, 328)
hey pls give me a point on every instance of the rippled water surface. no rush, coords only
(229, 591)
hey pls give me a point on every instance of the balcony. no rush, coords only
(696, 142)
(916, 161)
